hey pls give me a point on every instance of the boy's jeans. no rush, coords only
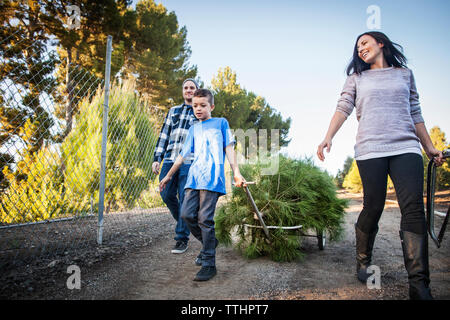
(198, 212)
(169, 196)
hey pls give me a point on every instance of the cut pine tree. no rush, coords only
(298, 194)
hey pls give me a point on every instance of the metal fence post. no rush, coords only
(101, 200)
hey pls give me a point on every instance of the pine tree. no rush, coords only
(148, 46)
(231, 101)
(82, 50)
(299, 194)
(244, 109)
(340, 176)
(26, 81)
(132, 135)
(46, 192)
(157, 53)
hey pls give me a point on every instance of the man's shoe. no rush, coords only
(180, 247)
(206, 273)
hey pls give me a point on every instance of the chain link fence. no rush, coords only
(55, 192)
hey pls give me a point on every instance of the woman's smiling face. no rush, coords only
(369, 49)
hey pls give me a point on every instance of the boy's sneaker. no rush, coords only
(206, 273)
(198, 260)
(180, 247)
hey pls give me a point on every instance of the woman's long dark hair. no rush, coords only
(394, 57)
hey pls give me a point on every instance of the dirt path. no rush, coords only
(153, 272)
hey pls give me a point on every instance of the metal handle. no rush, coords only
(446, 153)
(255, 208)
(431, 185)
(247, 182)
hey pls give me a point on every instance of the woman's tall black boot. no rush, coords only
(364, 247)
(415, 254)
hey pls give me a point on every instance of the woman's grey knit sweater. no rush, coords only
(387, 108)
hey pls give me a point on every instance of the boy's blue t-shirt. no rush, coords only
(207, 140)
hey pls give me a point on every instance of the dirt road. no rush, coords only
(152, 272)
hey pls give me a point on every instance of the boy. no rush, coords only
(209, 140)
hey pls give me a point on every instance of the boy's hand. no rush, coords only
(163, 183)
(239, 181)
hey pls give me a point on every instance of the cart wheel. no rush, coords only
(321, 238)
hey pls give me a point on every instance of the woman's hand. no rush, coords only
(325, 144)
(427, 144)
(336, 122)
(436, 155)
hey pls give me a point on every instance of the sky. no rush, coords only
(294, 54)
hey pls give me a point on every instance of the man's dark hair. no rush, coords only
(202, 93)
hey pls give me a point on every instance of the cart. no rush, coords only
(431, 180)
(320, 234)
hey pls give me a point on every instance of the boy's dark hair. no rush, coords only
(202, 93)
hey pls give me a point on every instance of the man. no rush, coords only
(171, 138)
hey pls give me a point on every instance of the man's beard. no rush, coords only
(188, 100)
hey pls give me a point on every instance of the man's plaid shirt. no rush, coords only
(173, 133)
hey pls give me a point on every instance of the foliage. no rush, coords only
(299, 194)
(159, 53)
(37, 195)
(340, 176)
(148, 46)
(244, 109)
(131, 140)
(24, 55)
(63, 180)
(443, 172)
(41, 86)
(51, 114)
(352, 180)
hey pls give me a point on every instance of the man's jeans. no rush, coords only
(198, 211)
(169, 195)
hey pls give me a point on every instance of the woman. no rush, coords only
(390, 131)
